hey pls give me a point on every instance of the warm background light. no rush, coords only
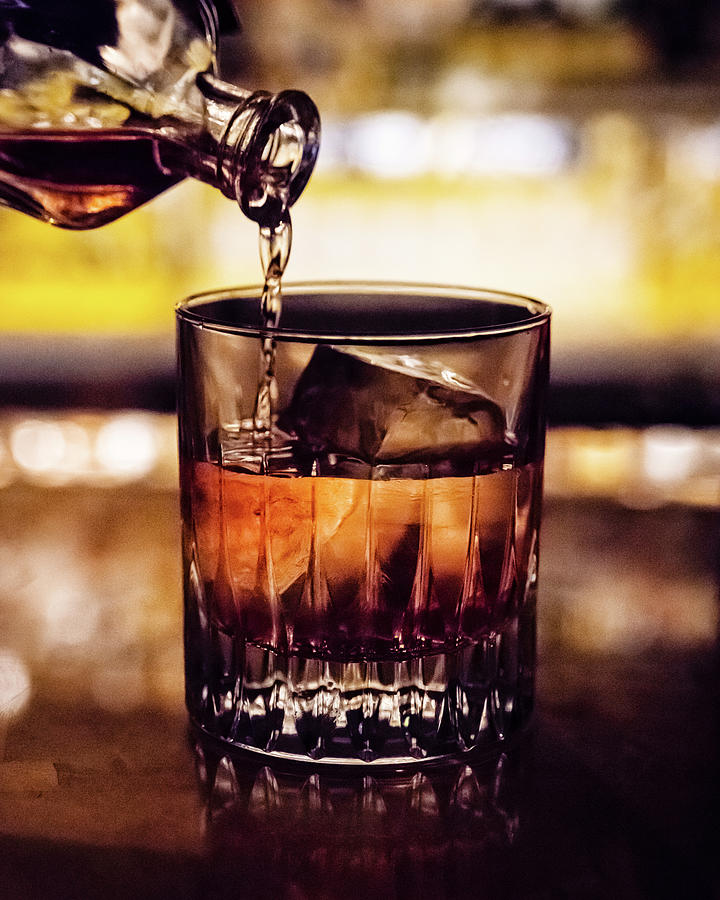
(467, 143)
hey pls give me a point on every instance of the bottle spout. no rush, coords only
(268, 152)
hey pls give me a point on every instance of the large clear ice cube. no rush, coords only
(393, 408)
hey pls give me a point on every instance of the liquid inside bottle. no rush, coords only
(77, 180)
(92, 125)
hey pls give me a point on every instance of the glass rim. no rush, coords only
(536, 312)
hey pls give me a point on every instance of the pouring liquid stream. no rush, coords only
(275, 243)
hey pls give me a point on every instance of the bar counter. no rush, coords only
(105, 791)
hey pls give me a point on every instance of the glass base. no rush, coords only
(476, 696)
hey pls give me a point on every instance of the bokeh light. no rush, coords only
(670, 453)
(126, 447)
(38, 447)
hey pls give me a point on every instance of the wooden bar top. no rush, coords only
(105, 791)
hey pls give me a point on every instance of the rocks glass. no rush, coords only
(360, 579)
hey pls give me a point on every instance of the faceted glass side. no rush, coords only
(355, 620)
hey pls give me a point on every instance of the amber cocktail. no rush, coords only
(360, 577)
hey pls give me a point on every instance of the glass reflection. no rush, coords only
(437, 832)
(15, 690)
(14, 684)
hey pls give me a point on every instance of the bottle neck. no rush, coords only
(265, 147)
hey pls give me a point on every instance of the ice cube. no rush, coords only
(390, 408)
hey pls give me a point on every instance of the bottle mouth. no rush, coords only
(278, 157)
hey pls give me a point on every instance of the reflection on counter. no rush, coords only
(435, 832)
(15, 691)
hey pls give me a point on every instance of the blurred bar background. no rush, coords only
(565, 149)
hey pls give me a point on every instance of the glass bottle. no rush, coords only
(106, 103)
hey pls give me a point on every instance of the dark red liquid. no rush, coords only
(351, 568)
(61, 177)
